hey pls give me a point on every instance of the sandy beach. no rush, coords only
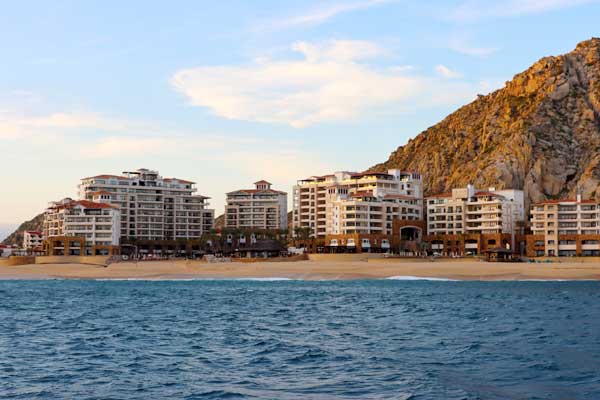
(310, 270)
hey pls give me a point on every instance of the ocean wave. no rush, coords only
(418, 278)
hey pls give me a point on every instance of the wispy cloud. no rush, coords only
(319, 15)
(446, 72)
(463, 46)
(473, 10)
(333, 82)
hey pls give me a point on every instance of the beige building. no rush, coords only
(152, 207)
(474, 211)
(566, 227)
(258, 208)
(357, 203)
(32, 240)
(99, 224)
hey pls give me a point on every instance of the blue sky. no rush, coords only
(225, 93)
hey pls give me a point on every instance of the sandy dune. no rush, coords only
(309, 270)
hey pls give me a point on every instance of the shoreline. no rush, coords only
(308, 270)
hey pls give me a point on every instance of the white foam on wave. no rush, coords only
(418, 278)
(268, 279)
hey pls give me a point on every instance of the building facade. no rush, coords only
(96, 225)
(471, 221)
(472, 211)
(348, 203)
(258, 208)
(32, 240)
(569, 227)
(152, 207)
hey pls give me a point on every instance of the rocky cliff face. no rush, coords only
(16, 238)
(540, 133)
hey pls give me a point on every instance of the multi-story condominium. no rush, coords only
(472, 211)
(567, 227)
(356, 203)
(258, 208)
(97, 224)
(152, 207)
(32, 240)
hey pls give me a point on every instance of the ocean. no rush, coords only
(278, 339)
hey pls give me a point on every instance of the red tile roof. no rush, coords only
(441, 195)
(86, 204)
(254, 191)
(363, 194)
(398, 196)
(178, 180)
(587, 201)
(485, 193)
(105, 177)
(263, 182)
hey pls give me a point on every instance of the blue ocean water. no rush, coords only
(299, 340)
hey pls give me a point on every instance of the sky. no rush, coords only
(227, 93)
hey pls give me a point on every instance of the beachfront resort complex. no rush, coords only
(341, 212)
(259, 208)
(152, 207)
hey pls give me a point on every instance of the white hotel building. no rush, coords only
(152, 207)
(98, 223)
(567, 227)
(258, 208)
(32, 240)
(357, 203)
(473, 211)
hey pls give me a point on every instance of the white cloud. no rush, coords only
(116, 146)
(460, 45)
(328, 84)
(339, 50)
(446, 72)
(474, 10)
(320, 15)
(17, 126)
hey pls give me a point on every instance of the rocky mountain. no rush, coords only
(540, 133)
(220, 222)
(36, 224)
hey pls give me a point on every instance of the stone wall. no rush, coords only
(92, 260)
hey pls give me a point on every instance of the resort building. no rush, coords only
(470, 221)
(569, 227)
(259, 208)
(152, 207)
(94, 227)
(469, 210)
(331, 207)
(32, 240)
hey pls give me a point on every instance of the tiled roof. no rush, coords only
(441, 195)
(263, 182)
(587, 201)
(363, 194)
(86, 204)
(105, 177)
(485, 193)
(398, 196)
(178, 180)
(34, 232)
(255, 191)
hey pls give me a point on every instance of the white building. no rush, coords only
(365, 203)
(566, 227)
(98, 223)
(152, 207)
(32, 240)
(258, 208)
(471, 210)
